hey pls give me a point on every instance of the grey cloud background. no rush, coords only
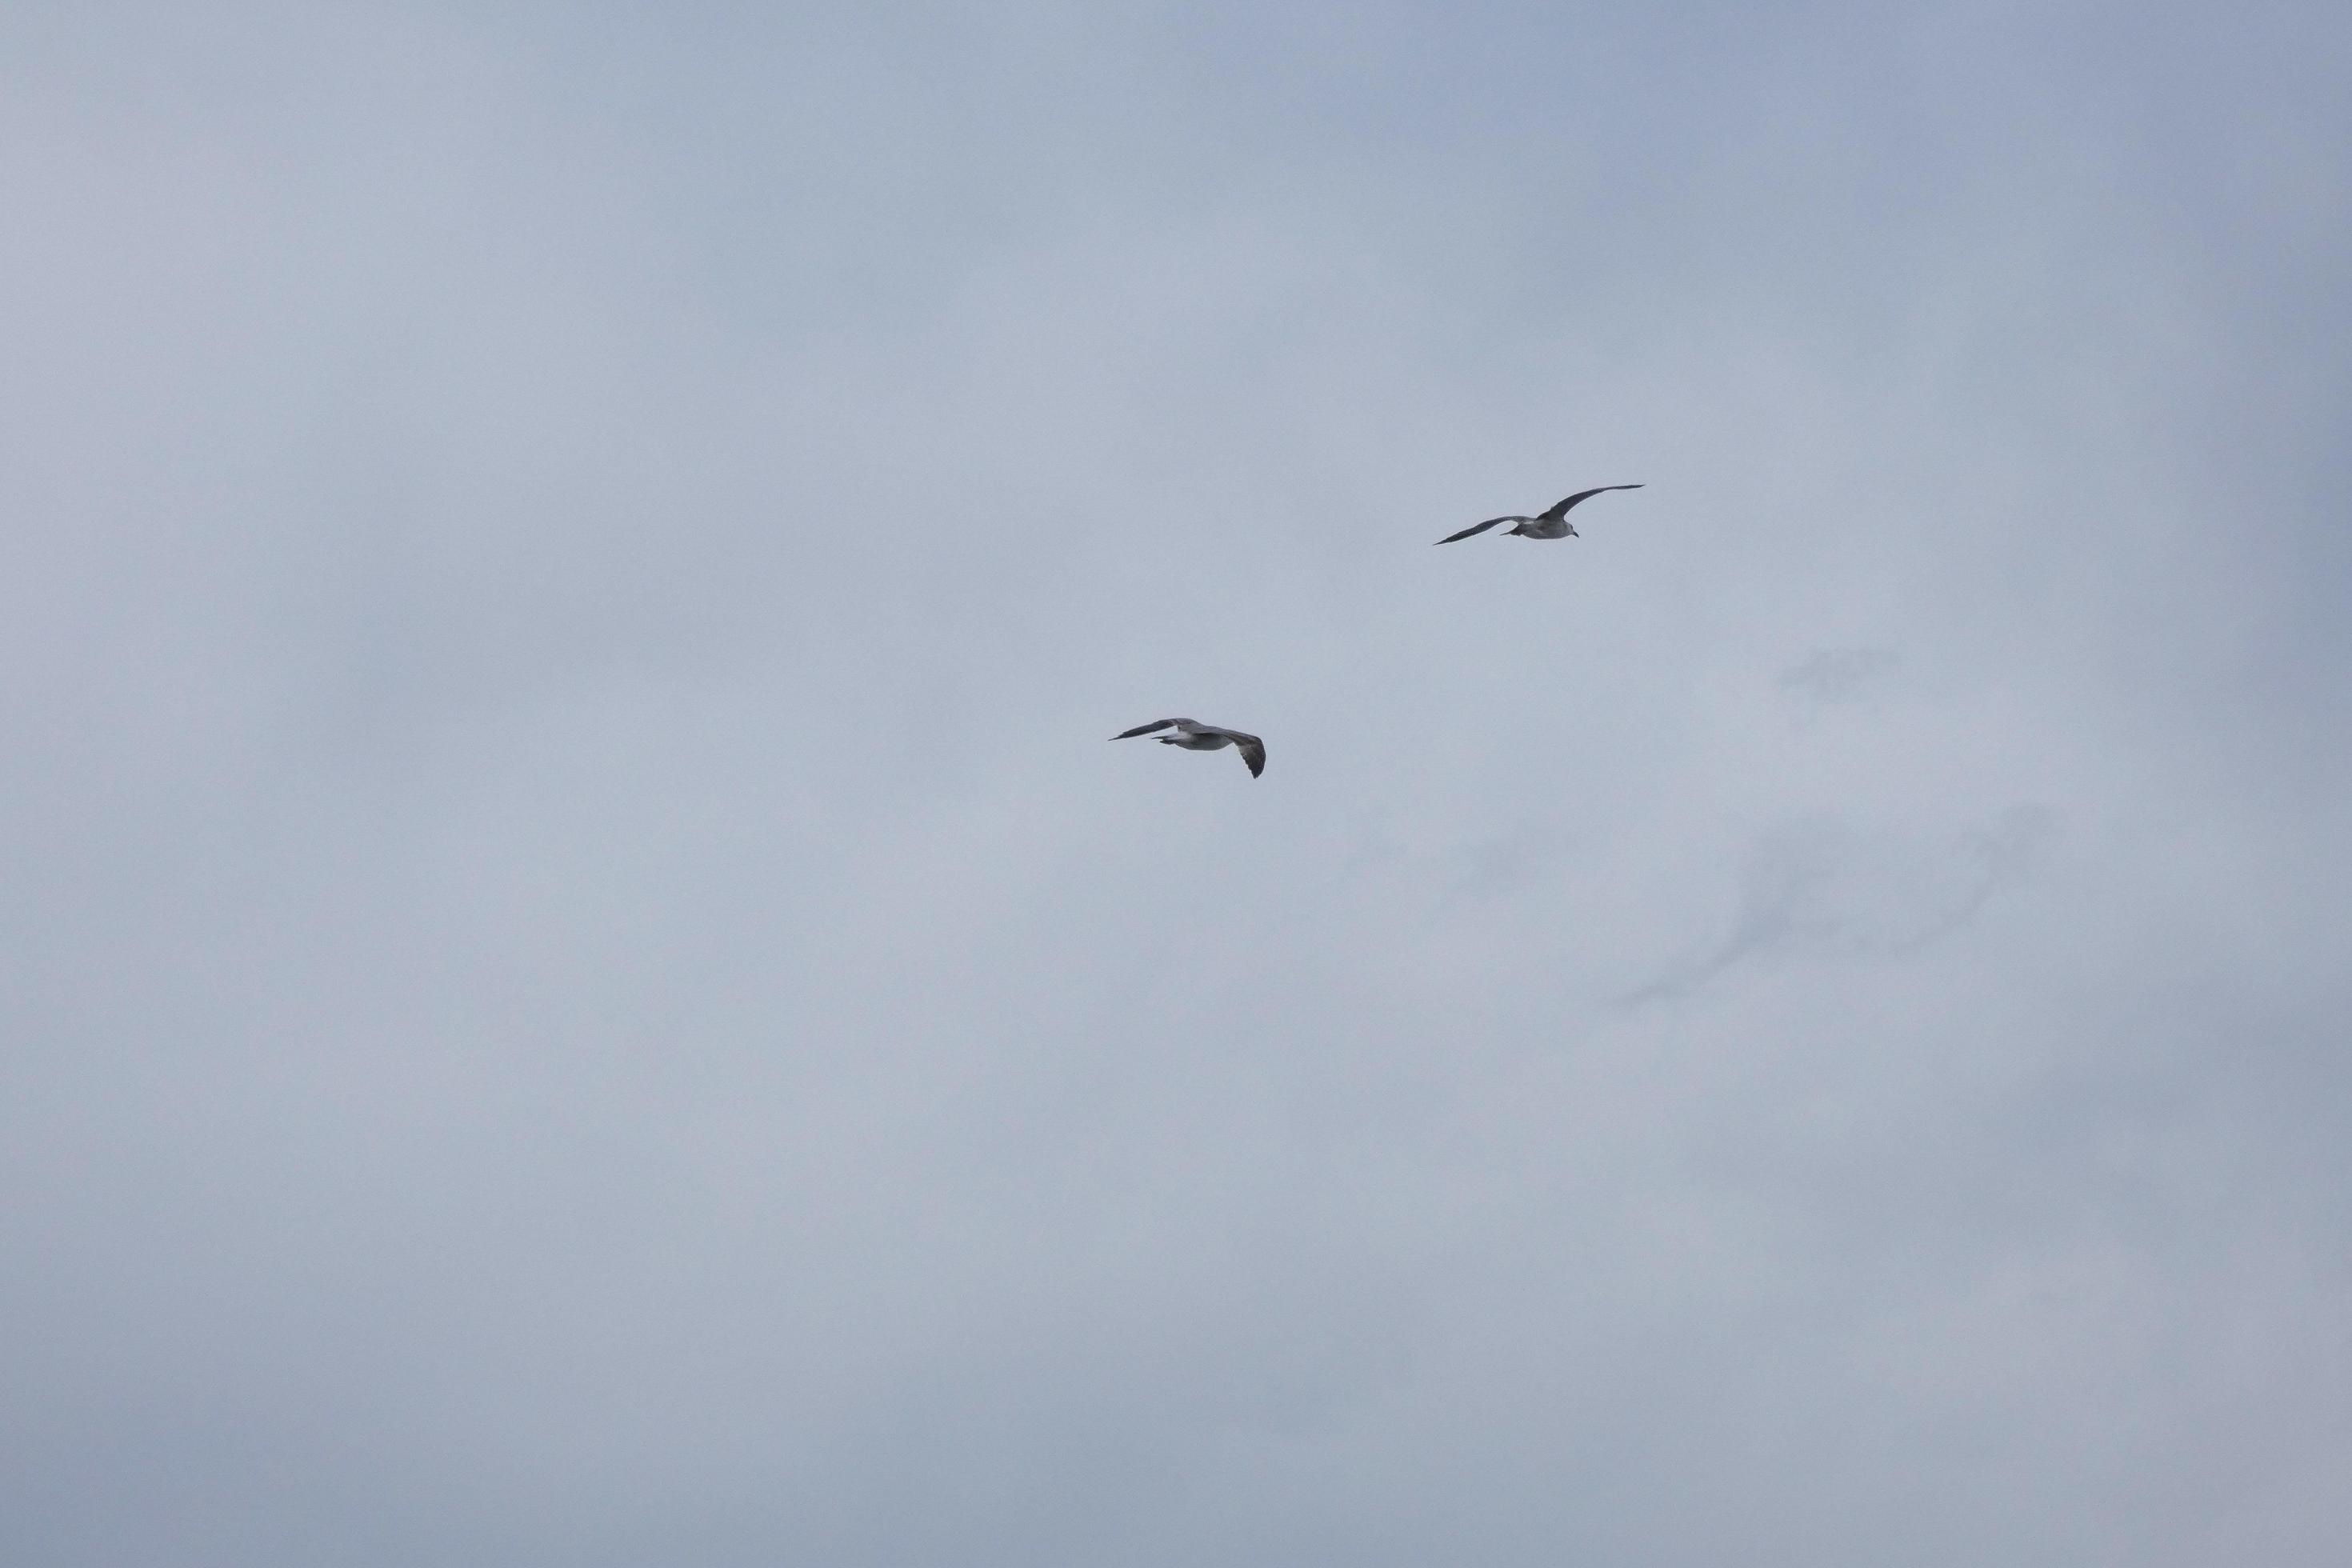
(579, 985)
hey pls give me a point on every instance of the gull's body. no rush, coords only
(1550, 523)
(1196, 737)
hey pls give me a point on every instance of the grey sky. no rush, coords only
(580, 985)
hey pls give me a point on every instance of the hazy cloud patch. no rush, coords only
(1824, 887)
(1840, 674)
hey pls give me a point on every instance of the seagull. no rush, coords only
(1203, 738)
(1552, 524)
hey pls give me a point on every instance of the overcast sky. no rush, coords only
(579, 983)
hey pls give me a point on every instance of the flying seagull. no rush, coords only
(1552, 524)
(1203, 738)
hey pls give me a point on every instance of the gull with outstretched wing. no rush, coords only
(1196, 737)
(1551, 523)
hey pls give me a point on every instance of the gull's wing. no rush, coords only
(1252, 749)
(1145, 729)
(1561, 510)
(1481, 527)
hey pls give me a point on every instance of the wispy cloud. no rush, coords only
(1840, 674)
(1823, 886)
